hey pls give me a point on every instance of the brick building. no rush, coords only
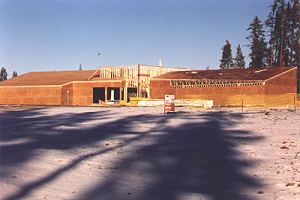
(81, 87)
(252, 87)
(271, 86)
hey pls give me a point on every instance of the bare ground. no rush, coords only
(141, 153)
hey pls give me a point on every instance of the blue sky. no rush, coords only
(45, 35)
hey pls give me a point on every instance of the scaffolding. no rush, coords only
(135, 76)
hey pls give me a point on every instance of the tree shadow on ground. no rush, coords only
(198, 158)
(25, 132)
(191, 161)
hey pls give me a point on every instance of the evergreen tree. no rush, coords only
(276, 22)
(271, 23)
(269, 57)
(288, 36)
(14, 74)
(239, 60)
(258, 49)
(3, 74)
(283, 28)
(294, 33)
(226, 61)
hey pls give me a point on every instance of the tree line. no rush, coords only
(4, 74)
(272, 43)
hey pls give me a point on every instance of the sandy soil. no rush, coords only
(141, 153)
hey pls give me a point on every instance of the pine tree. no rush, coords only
(283, 28)
(269, 57)
(3, 74)
(14, 74)
(287, 50)
(226, 61)
(239, 60)
(294, 33)
(277, 29)
(258, 48)
(271, 24)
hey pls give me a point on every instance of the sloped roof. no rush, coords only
(227, 74)
(48, 78)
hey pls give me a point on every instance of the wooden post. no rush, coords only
(295, 107)
(120, 94)
(138, 86)
(126, 91)
(242, 105)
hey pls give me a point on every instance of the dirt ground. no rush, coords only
(140, 153)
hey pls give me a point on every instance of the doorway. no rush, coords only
(98, 94)
(113, 93)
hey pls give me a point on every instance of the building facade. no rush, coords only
(116, 84)
(234, 87)
(107, 84)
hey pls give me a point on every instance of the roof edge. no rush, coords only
(291, 68)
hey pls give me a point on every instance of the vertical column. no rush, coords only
(105, 94)
(120, 93)
(112, 95)
(68, 97)
(138, 74)
(125, 92)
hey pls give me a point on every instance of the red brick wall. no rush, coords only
(82, 94)
(285, 83)
(64, 91)
(158, 89)
(220, 95)
(277, 91)
(50, 95)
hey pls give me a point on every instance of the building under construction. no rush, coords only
(107, 84)
(250, 87)
(116, 84)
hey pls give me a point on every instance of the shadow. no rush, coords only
(27, 131)
(189, 161)
(179, 156)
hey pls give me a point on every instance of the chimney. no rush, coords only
(160, 62)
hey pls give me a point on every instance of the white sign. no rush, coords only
(170, 99)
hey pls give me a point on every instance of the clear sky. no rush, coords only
(41, 35)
